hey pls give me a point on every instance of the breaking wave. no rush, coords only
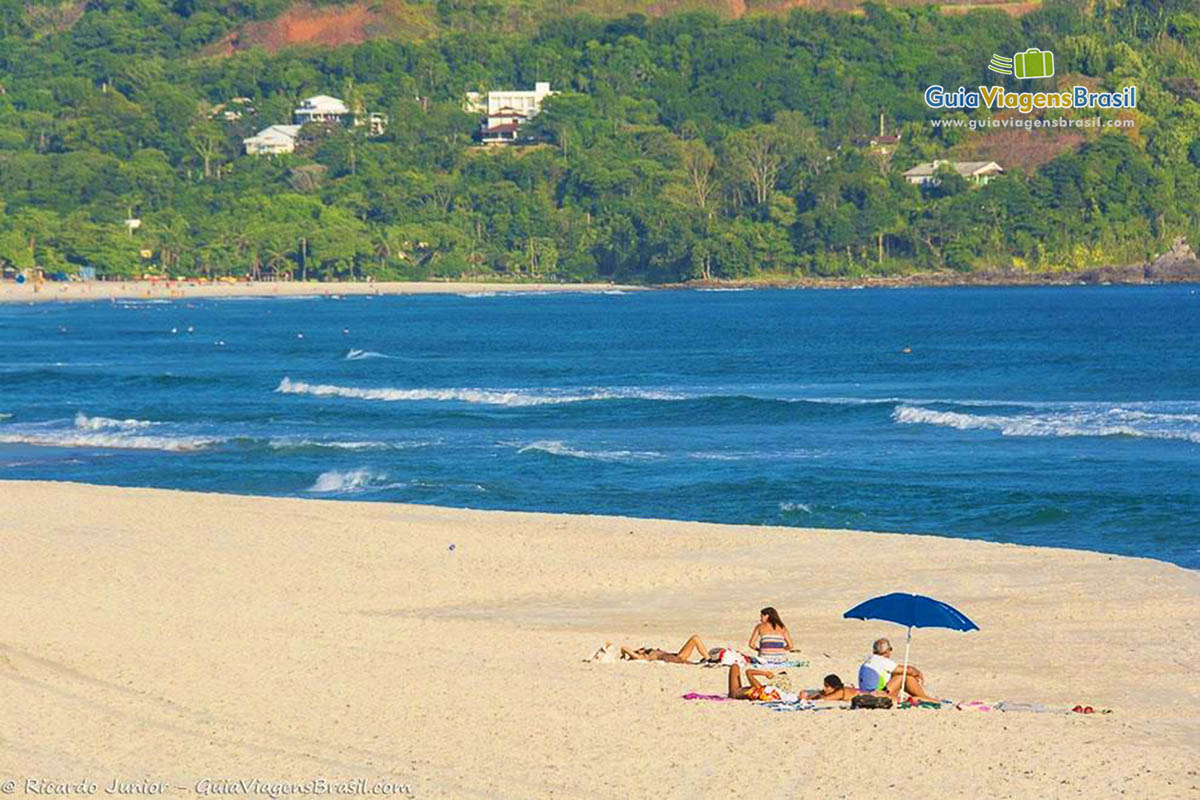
(115, 441)
(358, 355)
(555, 447)
(102, 433)
(284, 443)
(1085, 421)
(497, 397)
(85, 423)
(350, 481)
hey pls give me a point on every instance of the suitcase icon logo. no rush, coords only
(1033, 63)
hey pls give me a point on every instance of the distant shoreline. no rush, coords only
(188, 290)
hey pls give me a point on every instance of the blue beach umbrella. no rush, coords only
(912, 611)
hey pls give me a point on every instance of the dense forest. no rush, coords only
(682, 147)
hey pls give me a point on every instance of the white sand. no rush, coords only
(28, 292)
(179, 636)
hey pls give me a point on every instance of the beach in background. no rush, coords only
(64, 291)
(149, 634)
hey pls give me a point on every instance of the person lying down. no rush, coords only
(692, 647)
(757, 690)
(833, 690)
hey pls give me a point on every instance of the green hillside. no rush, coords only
(681, 146)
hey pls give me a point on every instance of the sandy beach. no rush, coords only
(176, 637)
(28, 292)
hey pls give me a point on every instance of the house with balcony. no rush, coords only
(322, 109)
(506, 111)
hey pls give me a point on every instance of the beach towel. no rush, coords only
(791, 662)
(723, 657)
(1029, 708)
(974, 705)
(715, 697)
(795, 705)
(913, 703)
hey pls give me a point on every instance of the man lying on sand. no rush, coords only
(692, 646)
(879, 674)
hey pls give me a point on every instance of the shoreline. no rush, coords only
(96, 291)
(570, 515)
(288, 639)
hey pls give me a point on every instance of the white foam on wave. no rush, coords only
(497, 397)
(801, 507)
(556, 447)
(756, 455)
(85, 423)
(5, 416)
(358, 355)
(115, 441)
(709, 455)
(349, 481)
(1084, 420)
(102, 433)
(284, 443)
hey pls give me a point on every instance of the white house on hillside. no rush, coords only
(978, 172)
(272, 141)
(507, 110)
(321, 108)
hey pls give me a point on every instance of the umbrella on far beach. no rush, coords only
(912, 611)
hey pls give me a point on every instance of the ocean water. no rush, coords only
(1050, 416)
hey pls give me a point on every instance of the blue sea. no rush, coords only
(1048, 416)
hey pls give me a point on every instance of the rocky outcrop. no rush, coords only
(1178, 263)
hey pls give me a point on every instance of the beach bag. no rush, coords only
(870, 701)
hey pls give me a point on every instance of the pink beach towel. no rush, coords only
(974, 705)
(698, 696)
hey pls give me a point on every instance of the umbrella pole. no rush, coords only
(904, 679)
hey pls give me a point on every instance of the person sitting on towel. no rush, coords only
(693, 646)
(879, 674)
(771, 638)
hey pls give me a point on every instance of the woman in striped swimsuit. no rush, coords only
(771, 638)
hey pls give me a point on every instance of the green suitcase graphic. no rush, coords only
(1033, 63)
